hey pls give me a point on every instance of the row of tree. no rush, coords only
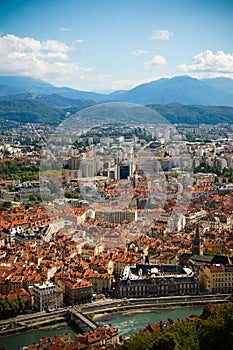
(226, 173)
(212, 331)
(12, 307)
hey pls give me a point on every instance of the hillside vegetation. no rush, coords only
(213, 331)
(52, 109)
(194, 114)
(30, 111)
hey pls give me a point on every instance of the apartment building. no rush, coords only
(77, 291)
(45, 296)
(217, 278)
(115, 216)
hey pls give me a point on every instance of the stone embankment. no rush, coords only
(37, 320)
(118, 305)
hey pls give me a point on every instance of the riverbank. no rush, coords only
(14, 341)
(147, 308)
(127, 323)
(34, 325)
(144, 310)
(95, 312)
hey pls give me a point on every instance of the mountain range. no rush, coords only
(170, 96)
(183, 90)
(180, 89)
(22, 85)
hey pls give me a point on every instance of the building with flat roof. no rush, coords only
(115, 216)
(45, 296)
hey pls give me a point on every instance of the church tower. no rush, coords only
(197, 247)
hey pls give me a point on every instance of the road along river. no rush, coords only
(128, 316)
(127, 323)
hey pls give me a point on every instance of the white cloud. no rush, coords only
(156, 61)
(48, 60)
(55, 46)
(75, 43)
(65, 29)
(11, 43)
(78, 41)
(140, 52)
(106, 82)
(161, 34)
(208, 64)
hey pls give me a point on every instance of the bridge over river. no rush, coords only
(40, 319)
(78, 315)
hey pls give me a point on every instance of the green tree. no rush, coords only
(185, 334)
(6, 309)
(69, 194)
(139, 341)
(23, 303)
(28, 205)
(5, 205)
(12, 307)
(213, 331)
(210, 334)
(164, 341)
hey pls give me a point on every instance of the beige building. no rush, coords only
(122, 261)
(115, 216)
(163, 258)
(91, 250)
(77, 292)
(194, 217)
(217, 245)
(217, 278)
(101, 282)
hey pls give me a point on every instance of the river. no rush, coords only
(131, 322)
(127, 323)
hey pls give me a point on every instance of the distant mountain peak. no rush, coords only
(182, 89)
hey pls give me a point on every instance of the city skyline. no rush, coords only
(111, 45)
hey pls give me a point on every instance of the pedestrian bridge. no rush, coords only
(77, 314)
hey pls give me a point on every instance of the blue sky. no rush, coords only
(114, 44)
